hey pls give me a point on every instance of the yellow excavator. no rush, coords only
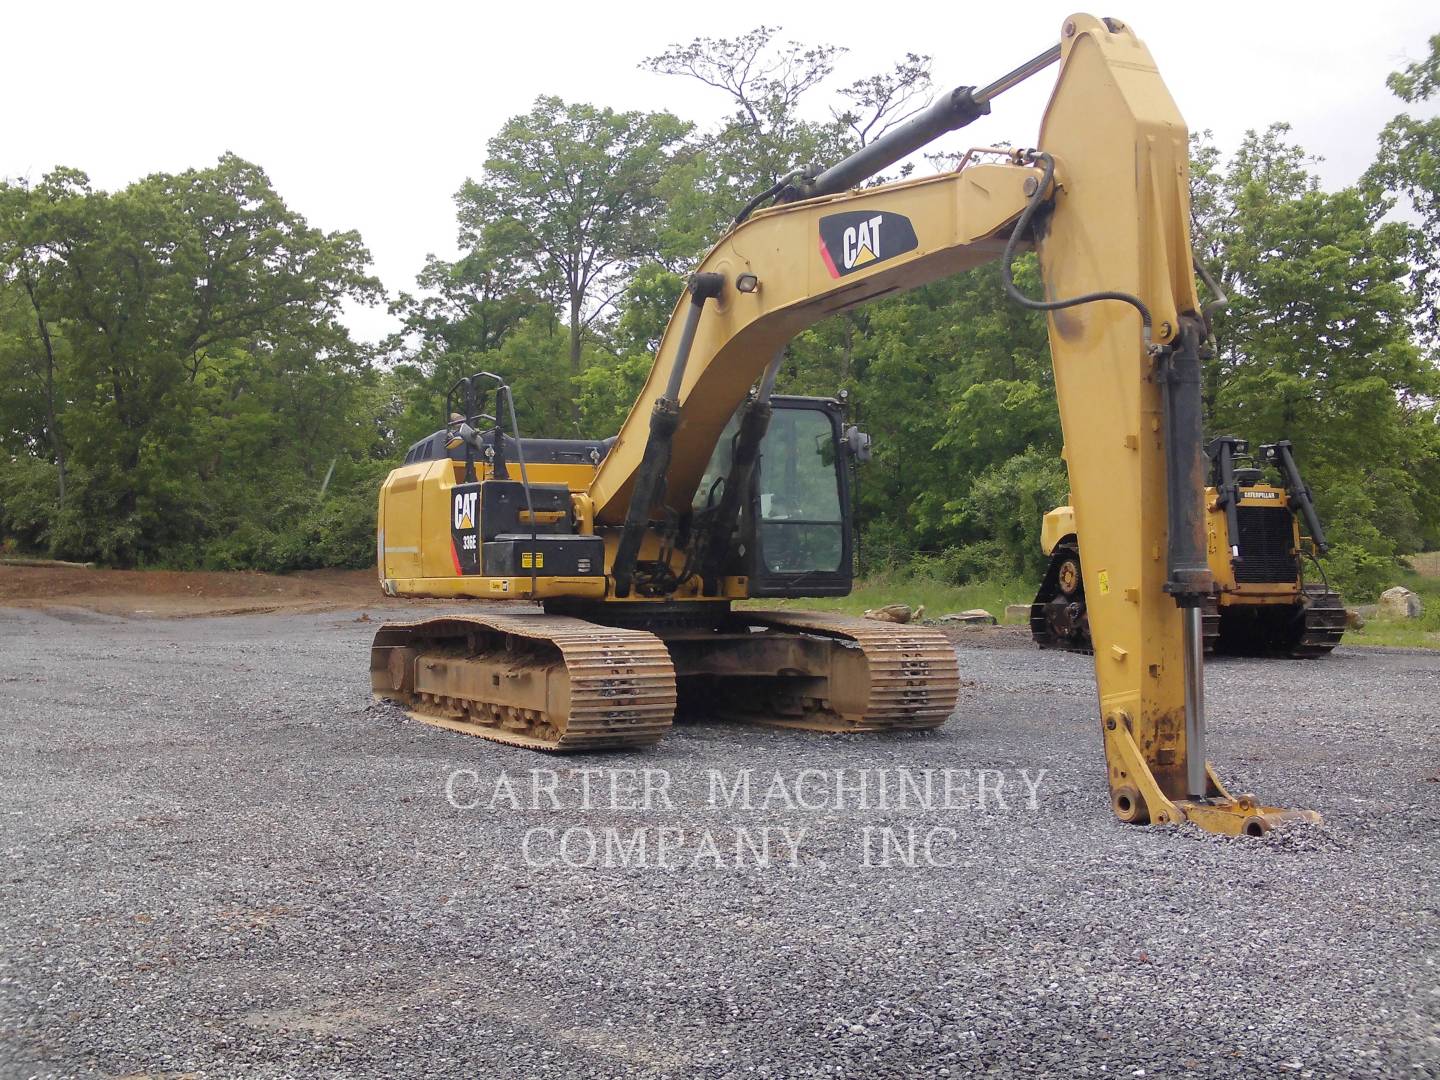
(1262, 605)
(716, 491)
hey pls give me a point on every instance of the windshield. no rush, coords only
(800, 524)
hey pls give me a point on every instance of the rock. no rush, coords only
(1353, 619)
(1017, 613)
(1400, 603)
(897, 613)
(975, 616)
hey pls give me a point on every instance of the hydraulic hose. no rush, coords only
(525, 487)
(1022, 225)
(766, 195)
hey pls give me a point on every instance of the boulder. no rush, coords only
(1017, 613)
(1400, 603)
(1353, 619)
(897, 613)
(973, 617)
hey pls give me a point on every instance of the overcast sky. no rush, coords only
(369, 115)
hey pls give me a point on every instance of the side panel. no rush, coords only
(1055, 526)
(437, 551)
(401, 521)
(1276, 588)
(420, 525)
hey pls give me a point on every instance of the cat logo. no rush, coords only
(858, 239)
(1260, 495)
(465, 509)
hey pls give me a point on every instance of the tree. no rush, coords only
(575, 189)
(1315, 344)
(191, 355)
(764, 137)
(28, 279)
(1408, 165)
(465, 313)
(473, 304)
(879, 102)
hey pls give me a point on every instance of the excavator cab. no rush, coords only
(797, 537)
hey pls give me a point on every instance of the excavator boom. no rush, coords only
(800, 263)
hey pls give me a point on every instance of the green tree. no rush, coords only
(197, 366)
(573, 192)
(764, 136)
(469, 306)
(1315, 344)
(31, 346)
(1408, 166)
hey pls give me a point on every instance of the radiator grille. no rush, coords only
(1267, 541)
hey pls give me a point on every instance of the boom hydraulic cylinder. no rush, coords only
(664, 419)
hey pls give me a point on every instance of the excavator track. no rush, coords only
(1323, 623)
(543, 682)
(911, 681)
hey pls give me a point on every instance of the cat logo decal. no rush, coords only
(860, 238)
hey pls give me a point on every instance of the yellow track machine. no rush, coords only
(1262, 606)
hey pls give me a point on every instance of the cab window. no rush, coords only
(801, 529)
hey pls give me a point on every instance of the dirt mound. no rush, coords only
(176, 592)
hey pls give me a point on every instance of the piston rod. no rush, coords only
(959, 107)
(1014, 78)
(1194, 702)
(1188, 576)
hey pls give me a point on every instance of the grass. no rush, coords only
(941, 598)
(1421, 633)
(938, 597)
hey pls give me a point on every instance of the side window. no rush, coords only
(801, 529)
(711, 483)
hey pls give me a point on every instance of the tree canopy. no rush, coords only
(181, 389)
(570, 197)
(164, 341)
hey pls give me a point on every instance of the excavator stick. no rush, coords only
(1128, 390)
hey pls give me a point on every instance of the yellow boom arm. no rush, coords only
(1119, 222)
(958, 221)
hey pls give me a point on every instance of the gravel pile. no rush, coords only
(222, 859)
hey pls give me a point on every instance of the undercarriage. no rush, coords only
(563, 682)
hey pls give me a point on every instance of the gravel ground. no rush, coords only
(223, 860)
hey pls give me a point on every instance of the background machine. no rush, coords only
(1262, 606)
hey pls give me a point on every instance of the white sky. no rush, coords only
(370, 115)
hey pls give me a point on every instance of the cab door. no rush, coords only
(799, 536)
